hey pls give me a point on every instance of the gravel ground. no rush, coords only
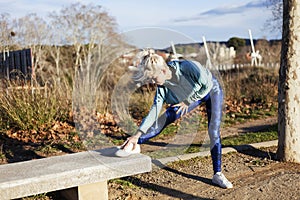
(254, 173)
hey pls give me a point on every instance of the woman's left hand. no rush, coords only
(183, 108)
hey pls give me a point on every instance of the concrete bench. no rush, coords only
(88, 172)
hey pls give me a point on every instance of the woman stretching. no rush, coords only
(184, 85)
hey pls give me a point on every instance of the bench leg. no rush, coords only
(93, 191)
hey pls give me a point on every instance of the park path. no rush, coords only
(255, 174)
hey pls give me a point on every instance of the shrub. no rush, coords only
(237, 43)
(33, 108)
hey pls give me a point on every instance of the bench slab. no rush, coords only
(72, 170)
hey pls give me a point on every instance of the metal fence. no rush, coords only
(226, 67)
(16, 64)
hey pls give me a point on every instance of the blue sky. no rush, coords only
(217, 20)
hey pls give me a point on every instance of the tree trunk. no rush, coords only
(289, 85)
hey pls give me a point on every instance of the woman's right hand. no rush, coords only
(183, 108)
(132, 140)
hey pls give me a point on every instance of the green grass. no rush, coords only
(123, 183)
(169, 131)
(191, 124)
(268, 134)
(248, 138)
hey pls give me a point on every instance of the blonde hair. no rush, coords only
(150, 64)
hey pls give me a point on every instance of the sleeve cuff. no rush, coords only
(143, 133)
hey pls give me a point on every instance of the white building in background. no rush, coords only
(220, 53)
(223, 54)
(227, 53)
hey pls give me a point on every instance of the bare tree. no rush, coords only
(32, 32)
(275, 22)
(91, 32)
(289, 83)
(6, 32)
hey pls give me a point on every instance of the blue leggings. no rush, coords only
(214, 105)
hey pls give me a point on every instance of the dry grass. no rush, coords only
(254, 83)
(30, 107)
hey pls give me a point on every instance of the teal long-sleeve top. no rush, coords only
(190, 82)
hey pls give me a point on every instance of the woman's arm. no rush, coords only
(154, 111)
(149, 119)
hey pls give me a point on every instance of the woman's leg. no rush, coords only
(214, 113)
(165, 119)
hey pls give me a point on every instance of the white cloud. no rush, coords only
(235, 8)
(225, 10)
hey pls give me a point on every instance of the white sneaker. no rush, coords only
(124, 152)
(220, 180)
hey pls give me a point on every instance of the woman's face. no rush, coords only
(160, 77)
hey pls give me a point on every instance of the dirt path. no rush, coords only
(255, 175)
